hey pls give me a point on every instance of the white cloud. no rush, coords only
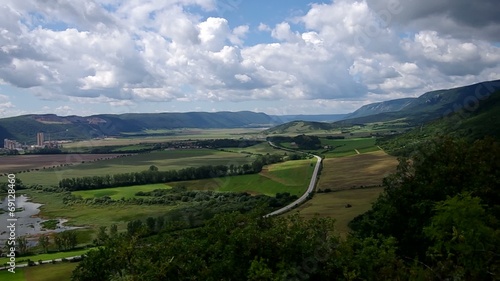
(159, 51)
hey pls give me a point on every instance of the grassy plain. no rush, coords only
(46, 257)
(46, 272)
(261, 148)
(93, 216)
(117, 193)
(17, 276)
(290, 176)
(16, 163)
(177, 134)
(164, 160)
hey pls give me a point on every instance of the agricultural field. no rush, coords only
(17, 163)
(261, 148)
(291, 176)
(164, 160)
(333, 205)
(332, 148)
(156, 136)
(47, 272)
(346, 147)
(117, 193)
(366, 169)
(345, 176)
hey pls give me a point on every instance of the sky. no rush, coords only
(280, 57)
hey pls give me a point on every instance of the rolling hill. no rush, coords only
(475, 124)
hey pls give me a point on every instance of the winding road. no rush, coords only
(304, 196)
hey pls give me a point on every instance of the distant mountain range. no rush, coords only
(429, 106)
(24, 128)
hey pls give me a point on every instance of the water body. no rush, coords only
(28, 222)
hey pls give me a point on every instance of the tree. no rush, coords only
(102, 236)
(22, 245)
(465, 245)
(444, 167)
(44, 242)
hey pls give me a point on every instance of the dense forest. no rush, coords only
(437, 219)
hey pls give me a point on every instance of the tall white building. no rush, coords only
(39, 139)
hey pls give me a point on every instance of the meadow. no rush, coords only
(46, 257)
(164, 160)
(156, 136)
(117, 193)
(93, 216)
(290, 176)
(47, 272)
(17, 163)
(261, 148)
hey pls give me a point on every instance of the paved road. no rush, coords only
(304, 196)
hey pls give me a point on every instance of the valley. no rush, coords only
(151, 185)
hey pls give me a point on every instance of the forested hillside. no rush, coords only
(24, 128)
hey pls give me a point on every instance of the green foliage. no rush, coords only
(153, 175)
(245, 247)
(464, 238)
(415, 207)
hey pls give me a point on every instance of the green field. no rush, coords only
(341, 147)
(45, 257)
(164, 160)
(17, 276)
(117, 193)
(93, 216)
(46, 272)
(261, 148)
(333, 205)
(175, 134)
(346, 147)
(290, 176)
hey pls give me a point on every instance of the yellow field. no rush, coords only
(366, 169)
(342, 175)
(333, 205)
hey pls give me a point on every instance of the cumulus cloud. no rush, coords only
(459, 18)
(357, 51)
